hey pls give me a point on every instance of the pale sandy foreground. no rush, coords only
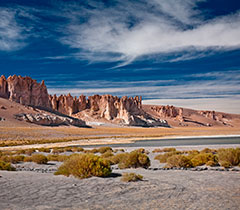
(161, 189)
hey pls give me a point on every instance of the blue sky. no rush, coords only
(181, 52)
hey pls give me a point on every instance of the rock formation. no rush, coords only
(168, 111)
(125, 110)
(50, 120)
(24, 90)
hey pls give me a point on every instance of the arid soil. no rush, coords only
(160, 189)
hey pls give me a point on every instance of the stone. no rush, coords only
(50, 120)
(24, 90)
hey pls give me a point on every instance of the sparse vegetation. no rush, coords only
(107, 154)
(179, 161)
(6, 166)
(84, 166)
(229, 156)
(36, 158)
(134, 159)
(203, 158)
(163, 157)
(131, 177)
(12, 159)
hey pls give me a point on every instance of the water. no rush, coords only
(178, 142)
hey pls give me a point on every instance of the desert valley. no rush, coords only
(40, 131)
(119, 105)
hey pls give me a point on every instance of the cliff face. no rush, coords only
(24, 90)
(125, 110)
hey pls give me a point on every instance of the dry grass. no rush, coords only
(84, 166)
(35, 135)
(131, 177)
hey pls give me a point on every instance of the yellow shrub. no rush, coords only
(203, 158)
(84, 166)
(134, 159)
(6, 166)
(163, 157)
(230, 155)
(180, 161)
(131, 177)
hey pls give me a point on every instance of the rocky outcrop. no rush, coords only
(125, 110)
(24, 90)
(216, 116)
(49, 120)
(168, 111)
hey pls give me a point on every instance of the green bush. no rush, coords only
(212, 163)
(91, 151)
(29, 151)
(179, 161)
(84, 166)
(12, 159)
(6, 166)
(46, 150)
(104, 149)
(131, 177)
(77, 149)
(169, 149)
(230, 155)
(142, 150)
(107, 154)
(117, 158)
(163, 157)
(134, 159)
(118, 150)
(57, 150)
(37, 158)
(203, 158)
(157, 150)
(225, 164)
(207, 150)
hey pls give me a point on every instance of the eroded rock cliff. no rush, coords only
(125, 110)
(24, 90)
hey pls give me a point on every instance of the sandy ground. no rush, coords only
(161, 189)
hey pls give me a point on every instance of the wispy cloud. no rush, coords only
(133, 30)
(216, 85)
(11, 33)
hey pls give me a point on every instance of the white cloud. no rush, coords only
(11, 34)
(218, 84)
(172, 26)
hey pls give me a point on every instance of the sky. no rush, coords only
(178, 52)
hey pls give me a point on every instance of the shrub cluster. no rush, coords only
(171, 149)
(163, 157)
(131, 177)
(36, 158)
(6, 166)
(84, 166)
(134, 159)
(229, 157)
(204, 158)
(179, 161)
(12, 158)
